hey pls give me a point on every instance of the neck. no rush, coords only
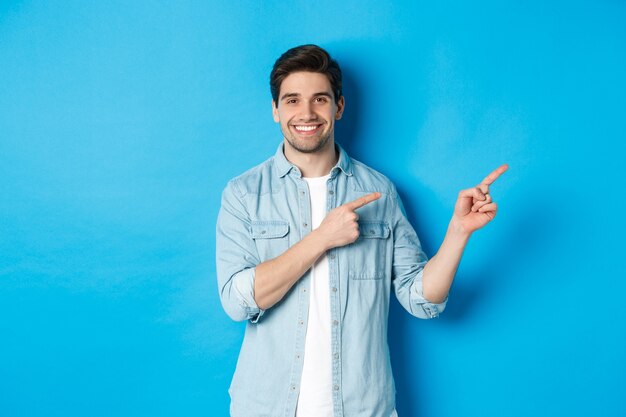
(315, 164)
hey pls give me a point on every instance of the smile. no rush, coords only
(306, 128)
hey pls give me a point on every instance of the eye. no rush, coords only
(321, 100)
(292, 101)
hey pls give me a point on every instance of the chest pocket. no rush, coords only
(271, 237)
(368, 257)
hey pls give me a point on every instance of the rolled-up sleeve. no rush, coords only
(408, 267)
(236, 257)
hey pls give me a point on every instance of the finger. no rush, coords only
(474, 192)
(491, 207)
(479, 204)
(360, 202)
(489, 179)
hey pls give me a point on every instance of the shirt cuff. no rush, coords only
(243, 283)
(432, 310)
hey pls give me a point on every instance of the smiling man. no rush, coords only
(311, 93)
(310, 244)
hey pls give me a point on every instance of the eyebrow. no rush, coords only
(320, 94)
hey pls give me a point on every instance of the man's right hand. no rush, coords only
(340, 227)
(274, 277)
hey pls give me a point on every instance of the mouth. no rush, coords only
(307, 130)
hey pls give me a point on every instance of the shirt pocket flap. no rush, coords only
(269, 229)
(370, 229)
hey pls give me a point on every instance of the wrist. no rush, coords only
(317, 241)
(456, 230)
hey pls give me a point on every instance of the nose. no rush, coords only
(307, 112)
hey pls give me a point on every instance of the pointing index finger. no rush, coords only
(489, 179)
(361, 201)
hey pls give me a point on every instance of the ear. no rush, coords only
(275, 112)
(341, 103)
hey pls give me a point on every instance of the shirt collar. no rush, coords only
(283, 166)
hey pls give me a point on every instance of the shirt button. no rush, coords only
(336, 355)
(371, 232)
(335, 322)
(293, 387)
(336, 387)
(331, 192)
(334, 289)
(305, 224)
(301, 323)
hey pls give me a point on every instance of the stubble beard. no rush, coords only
(305, 146)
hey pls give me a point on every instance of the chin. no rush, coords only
(308, 147)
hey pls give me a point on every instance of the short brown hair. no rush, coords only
(310, 58)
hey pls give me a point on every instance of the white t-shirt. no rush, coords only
(316, 395)
(316, 398)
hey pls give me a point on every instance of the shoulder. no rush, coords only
(367, 179)
(256, 180)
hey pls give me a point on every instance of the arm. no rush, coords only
(439, 271)
(409, 261)
(276, 276)
(236, 257)
(473, 210)
(247, 286)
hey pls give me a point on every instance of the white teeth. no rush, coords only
(305, 128)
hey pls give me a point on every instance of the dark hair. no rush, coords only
(310, 58)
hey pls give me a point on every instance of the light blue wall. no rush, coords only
(120, 123)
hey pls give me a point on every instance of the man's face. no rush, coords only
(306, 111)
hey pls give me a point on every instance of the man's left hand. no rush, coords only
(474, 207)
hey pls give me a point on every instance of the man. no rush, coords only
(309, 245)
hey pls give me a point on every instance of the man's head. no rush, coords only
(306, 97)
(308, 58)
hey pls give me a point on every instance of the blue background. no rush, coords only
(121, 122)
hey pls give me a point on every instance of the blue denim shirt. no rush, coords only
(265, 211)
